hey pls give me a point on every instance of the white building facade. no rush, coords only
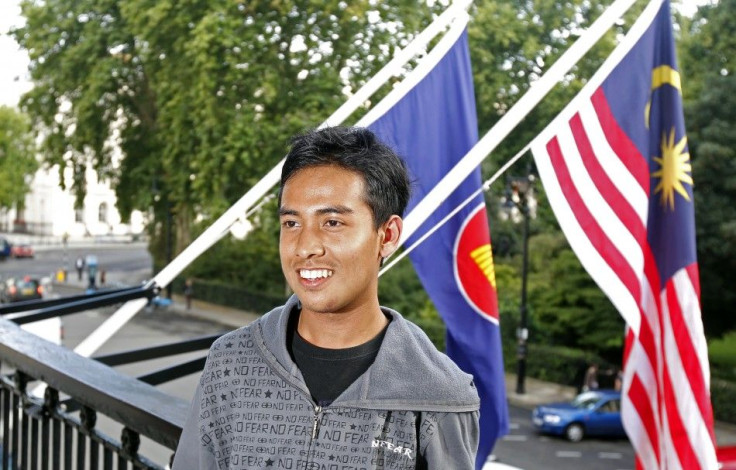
(49, 210)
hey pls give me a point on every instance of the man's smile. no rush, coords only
(311, 274)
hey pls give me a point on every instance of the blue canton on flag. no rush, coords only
(432, 127)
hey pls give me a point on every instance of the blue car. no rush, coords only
(593, 413)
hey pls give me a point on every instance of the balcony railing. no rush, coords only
(60, 431)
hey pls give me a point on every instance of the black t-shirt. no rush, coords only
(328, 372)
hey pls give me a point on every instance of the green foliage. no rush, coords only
(401, 290)
(253, 264)
(722, 356)
(17, 157)
(723, 399)
(201, 96)
(561, 365)
(237, 296)
(710, 112)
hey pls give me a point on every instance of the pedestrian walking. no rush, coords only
(79, 264)
(188, 292)
(591, 378)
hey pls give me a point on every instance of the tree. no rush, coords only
(17, 157)
(199, 95)
(710, 110)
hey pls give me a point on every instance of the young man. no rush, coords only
(331, 380)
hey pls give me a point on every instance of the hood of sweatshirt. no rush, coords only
(407, 374)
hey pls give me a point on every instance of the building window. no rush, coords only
(78, 215)
(102, 213)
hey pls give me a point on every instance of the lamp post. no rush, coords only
(520, 206)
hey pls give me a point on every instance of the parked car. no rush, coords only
(15, 289)
(21, 251)
(592, 413)
(4, 248)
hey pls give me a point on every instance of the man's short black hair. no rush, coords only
(356, 149)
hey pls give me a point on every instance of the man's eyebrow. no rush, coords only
(335, 210)
(284, 211)
(322, 211)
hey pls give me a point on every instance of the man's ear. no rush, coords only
(391, 230)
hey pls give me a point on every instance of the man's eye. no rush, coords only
(288, 224)
(333, 223)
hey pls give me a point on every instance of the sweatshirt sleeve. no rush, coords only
(455, 442)
(191, 453)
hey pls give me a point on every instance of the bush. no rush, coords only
(559, 365)
(723, 398)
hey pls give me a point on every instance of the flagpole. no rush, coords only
(220, 227)
(512, 118)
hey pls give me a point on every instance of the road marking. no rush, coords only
(514, 426)
(609, 455)
(515, 437)
(498, 466)
(568, 454)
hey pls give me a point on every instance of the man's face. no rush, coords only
(330, 250)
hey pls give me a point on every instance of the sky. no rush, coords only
(14, 79)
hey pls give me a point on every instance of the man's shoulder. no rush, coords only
(416, 368)
(266, 324)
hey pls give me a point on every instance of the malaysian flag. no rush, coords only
(616, 169)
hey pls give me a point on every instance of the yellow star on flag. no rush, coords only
(674, 170)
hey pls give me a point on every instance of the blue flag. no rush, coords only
(432, 127)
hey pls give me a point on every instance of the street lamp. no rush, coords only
(520, 205)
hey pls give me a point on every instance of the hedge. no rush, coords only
(230, 295)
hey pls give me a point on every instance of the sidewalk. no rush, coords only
(45, 242)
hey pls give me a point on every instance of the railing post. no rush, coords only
(21, 381)
(6, 395)
(88, 418)
(131, 441)
(51, 406)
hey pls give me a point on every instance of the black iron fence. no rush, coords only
(59, 430)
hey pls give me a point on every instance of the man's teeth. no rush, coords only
(314, 273)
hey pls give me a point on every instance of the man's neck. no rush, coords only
(341, 330)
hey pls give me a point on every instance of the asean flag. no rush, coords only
(432, 126)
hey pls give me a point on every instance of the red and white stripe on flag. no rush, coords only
(602, 162)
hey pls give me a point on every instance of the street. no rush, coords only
(125, 264)
(525, 449)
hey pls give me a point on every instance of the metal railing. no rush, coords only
(60, 431)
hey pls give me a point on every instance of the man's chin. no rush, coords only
(322, 306)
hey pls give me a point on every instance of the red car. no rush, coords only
(21, 251)
(18, 289)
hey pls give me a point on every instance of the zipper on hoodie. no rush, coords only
(315, 428)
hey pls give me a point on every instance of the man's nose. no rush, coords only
(310, 243)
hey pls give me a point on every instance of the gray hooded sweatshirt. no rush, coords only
(413, 408)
